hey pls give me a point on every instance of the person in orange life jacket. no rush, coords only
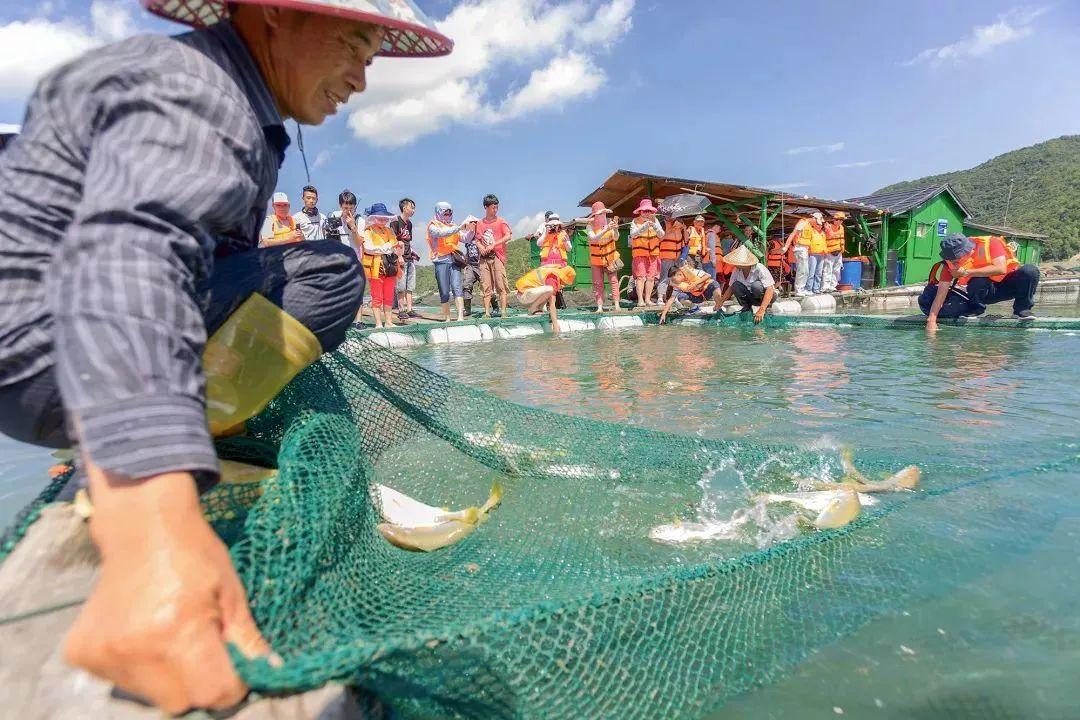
(833, 260)
(697, 248)
(712, 241)
(808, 238)
(540, 286)
(444, 238)
(645, 232)
(603, 233)
(672, 244)
(976, 272)
(687, 282)
(751, 283)
(279, 228)
(380, 263)
(554, 244)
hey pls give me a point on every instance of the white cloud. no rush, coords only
(33, 47)
(557, 43)
(1013, 25)
(528, 224)
(860, 164)
(831, 148)
(324, 157)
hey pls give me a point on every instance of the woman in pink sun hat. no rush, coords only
(645, 234)
(158, 212)
(603, 233)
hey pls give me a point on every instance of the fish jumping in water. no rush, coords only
(411, 525)
(906, 479)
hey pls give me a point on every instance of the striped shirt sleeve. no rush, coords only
(169, 160)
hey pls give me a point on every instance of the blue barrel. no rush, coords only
(851, 273)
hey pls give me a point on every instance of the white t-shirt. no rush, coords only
(758, 273)
(312, 227)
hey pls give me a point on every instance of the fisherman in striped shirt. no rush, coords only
(130, 210)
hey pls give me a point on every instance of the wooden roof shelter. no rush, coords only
(768, 211)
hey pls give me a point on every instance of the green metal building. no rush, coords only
(912, 223)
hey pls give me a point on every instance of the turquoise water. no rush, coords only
(997, 639)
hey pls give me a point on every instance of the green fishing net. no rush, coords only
(561, 605)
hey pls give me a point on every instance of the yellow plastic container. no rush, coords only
(247, 362)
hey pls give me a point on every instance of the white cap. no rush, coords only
(817, 214)
(470, 218)
(280, 198)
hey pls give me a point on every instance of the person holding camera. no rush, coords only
(444, 243)
(603, 233)
(380, 263)
(345, 227)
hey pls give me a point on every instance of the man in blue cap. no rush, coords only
(976, 272)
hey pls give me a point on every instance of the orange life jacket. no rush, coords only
(696, 243)
(834, 237)
(282, 229)
(444, 246)
(379, 236)
(602, 251)
(645, 244)
(977, 258)
(672, 242)
(691, 281)
(556, 242)
(811, 237)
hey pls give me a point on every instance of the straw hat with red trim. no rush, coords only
(409, 32)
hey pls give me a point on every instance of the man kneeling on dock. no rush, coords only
(976, 272)
(751, 283)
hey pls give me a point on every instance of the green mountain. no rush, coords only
(1045, 182)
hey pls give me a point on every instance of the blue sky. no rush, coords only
(543, 100)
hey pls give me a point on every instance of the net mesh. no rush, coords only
(560, 605)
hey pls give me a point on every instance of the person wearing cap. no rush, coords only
(279, 228)
(542, 227)
(121, 313)
(309, 219)
(603, 232)
(975, 272)
(470, 274)
(555, 244)
(493, 233)
(539, 287)
(808, 239)
(751, 283)
(687, 282)
(697, 247)
(645, 232)
(444, 242)
(833, 260)
(380, 262)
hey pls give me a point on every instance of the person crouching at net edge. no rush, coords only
(686, 282)
(156, 217)
(539, 287)
(976, 272)
(751, 283)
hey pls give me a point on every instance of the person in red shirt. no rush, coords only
(492, 234)
(976, 272)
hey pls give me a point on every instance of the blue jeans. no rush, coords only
(448, 277)
(813, 269)
(1018, 286)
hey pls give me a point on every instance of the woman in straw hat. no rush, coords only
(171, 149)
(751, 283)
(603, 233)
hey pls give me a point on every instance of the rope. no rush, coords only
(48, 609)
(300, 144)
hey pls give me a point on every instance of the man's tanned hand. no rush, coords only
(167, 600)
